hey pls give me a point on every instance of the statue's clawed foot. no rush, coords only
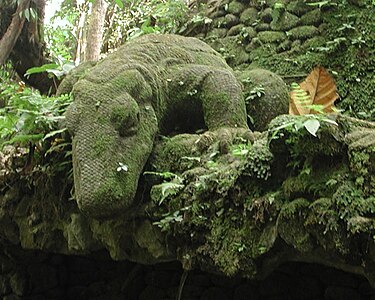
(225, 136)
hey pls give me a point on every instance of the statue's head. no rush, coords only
(112, 140)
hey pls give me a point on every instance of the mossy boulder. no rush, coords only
(232, 49)
(285, 22)
(313, 17)
(271, 36)
(231, 20)
(249, 16)
(272, 100)
(262, 27)
(235, 7)
(249, 33)
(303, 32)
(235, 30)
(298, 7)
(284, 46)
(267, 15)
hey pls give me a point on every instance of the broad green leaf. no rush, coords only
(41, 69)
(119, 4)
(312, 126)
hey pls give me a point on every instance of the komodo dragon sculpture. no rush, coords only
(151, 85)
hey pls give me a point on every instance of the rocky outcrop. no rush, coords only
(235, 209)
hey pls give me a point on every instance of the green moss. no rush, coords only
(262, 27)
(314, 43)
(298, 7)
(102, 142)
(293, 208)
(249, 16)
(249, 32)
(260, 158)
(302, 32)
(216, 33)
(235, 7)
(266, 15)
(271, 36)
(235, 30)
(232, 49)
(285, 22)
(284, 46)
(313, 17)
(271, 101)
(362, 158)
(230, 20)
(176, 153)
(291, 225)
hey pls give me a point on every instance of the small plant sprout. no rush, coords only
(122, 167)
(256, 92)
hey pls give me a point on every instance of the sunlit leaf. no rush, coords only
(312, 126)
(119, 4)
(316, 94)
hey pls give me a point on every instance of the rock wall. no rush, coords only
(290, 37)
(35, 275)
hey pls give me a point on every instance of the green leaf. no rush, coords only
(27, 15)
(119, 4)
(33, 13)
(312, 126)
(53, 133)
(23, 139)
(41, 69)
(169, 189)
(320, 4)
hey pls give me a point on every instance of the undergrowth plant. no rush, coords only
(30, 120)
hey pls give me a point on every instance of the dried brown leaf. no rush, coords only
(322, 92)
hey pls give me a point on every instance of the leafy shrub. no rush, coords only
(25, 115)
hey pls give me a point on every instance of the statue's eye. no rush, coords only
(126, 123)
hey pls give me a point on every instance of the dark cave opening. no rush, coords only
(35, 275)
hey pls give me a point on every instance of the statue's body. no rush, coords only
(156, 83)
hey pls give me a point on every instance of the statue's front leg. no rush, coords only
(220, 95)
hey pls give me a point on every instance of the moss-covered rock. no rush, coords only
(231, 20)
(266, 97)
(248, 33)
(314, 43)
(262, 27)
(291, 221)
(272, 36)
(362, 159)
(285, 22)
(266, 15)
(217, 33)
(298, 7)
(219, 22)
(249, 16)
(235, 7)
(284, 46)
(255, 43)
(235, 30)
(313, 17)
(232, 49)
(303, 32)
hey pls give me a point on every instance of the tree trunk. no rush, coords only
(11, 35)
(27, 49)
(95, 30)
